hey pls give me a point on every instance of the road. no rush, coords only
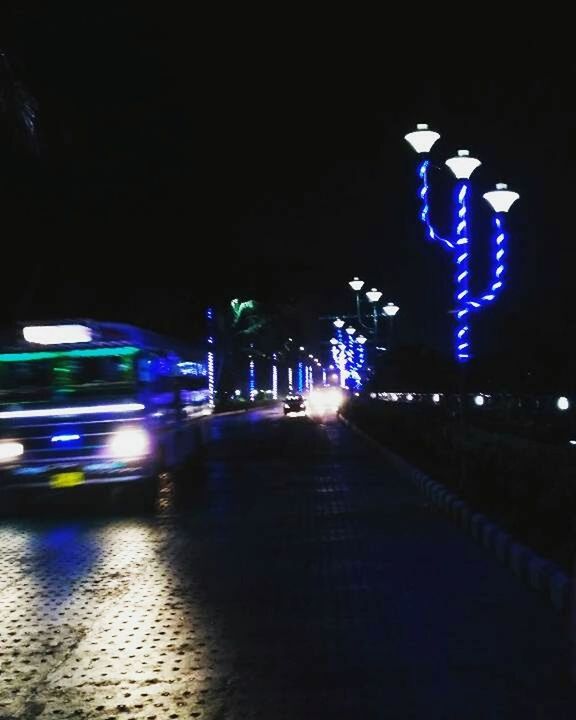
(297, 577)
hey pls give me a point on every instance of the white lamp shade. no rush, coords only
(463, 165)
(501, 199)
(356, 284)
(361, 339)
(350, 330)
(422, 139)
(333, 341)
(373, 295)
(339, 323)
(390, 309)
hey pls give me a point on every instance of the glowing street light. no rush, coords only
(457, 240)
(338, 323)
(463, 165)
(501, 199)
(390, 309)
(356, 284)
(350, 330)
(422, 139)
(361, 339)
(373, 295)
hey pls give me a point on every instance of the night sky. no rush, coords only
(182, 164)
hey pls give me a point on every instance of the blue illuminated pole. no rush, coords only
(300, 377)
(211, 388)
(252, 380)
(290, 379)
(458, 241)
(274, 378)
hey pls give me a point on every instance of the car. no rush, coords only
(293, 404)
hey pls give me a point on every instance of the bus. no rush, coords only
(86, 403)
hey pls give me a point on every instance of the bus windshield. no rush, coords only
(49, 378)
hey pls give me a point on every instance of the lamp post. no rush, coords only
(373, 297)
(356, 284)
(457, 241)
(390, 310)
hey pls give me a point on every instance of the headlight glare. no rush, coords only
(129, 443)
(10, 450)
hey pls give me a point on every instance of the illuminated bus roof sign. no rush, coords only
(57, 334)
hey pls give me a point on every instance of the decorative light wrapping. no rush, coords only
(211, 385)
(300, 377)
(290, 379)
(458, 243)
(252, 379)
(274, 380)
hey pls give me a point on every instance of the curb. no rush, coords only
(535, 571)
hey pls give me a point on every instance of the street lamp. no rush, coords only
(422, 139)
(361, 339)
(339, 323)
(458, 239)
(390, 310)
(350, 330)
(357, 285)
(373, 297)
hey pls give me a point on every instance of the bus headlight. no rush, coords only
(129, 443)
(10, 450)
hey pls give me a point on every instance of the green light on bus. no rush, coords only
(50, 355)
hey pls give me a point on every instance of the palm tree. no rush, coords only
(250, 328)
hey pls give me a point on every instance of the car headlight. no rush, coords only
(10, 450)
(129, 443)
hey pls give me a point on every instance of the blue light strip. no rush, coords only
(274, 380)
(462, 340)
(425, 212)
(211, 383)
(498, 266)
(300, 377)
(252, 380)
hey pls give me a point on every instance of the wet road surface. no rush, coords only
(296, 577)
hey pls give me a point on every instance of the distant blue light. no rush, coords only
(65, 438)
(252, 380)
